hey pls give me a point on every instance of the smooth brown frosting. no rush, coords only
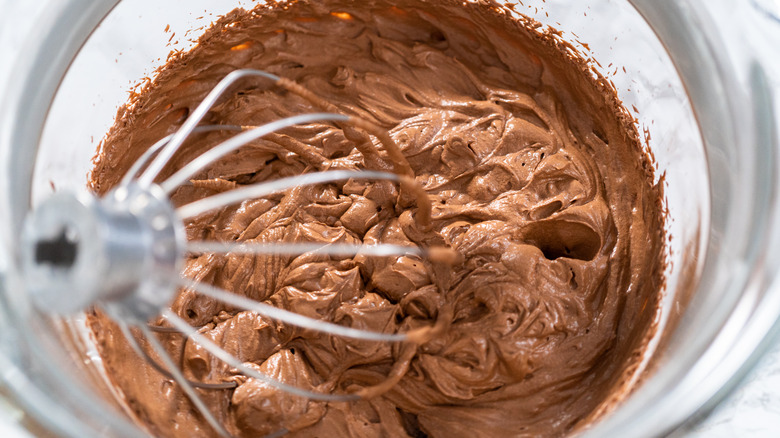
(538, 181)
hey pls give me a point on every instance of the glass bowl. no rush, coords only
(707, 114)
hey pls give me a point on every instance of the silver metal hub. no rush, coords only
(122, 251)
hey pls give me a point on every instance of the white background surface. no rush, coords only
(753, 410)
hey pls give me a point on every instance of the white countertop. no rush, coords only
(752, 410)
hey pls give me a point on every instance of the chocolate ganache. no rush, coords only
(538, 181)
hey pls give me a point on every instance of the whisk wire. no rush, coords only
(232, 144)
(188, 389)
(148, 176)
(288, 317)
(270, 187)
(161, 369)
(226, 357)
(146, 156)
(331, 249)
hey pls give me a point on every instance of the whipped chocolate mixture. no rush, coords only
(538, 181)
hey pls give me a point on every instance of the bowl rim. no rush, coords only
(712, 369)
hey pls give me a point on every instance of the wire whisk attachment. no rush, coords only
(124, 252)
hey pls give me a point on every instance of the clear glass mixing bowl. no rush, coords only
(707, 112)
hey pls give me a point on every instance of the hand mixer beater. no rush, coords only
(124, 252)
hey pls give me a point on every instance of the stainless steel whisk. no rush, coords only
(124, 251)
